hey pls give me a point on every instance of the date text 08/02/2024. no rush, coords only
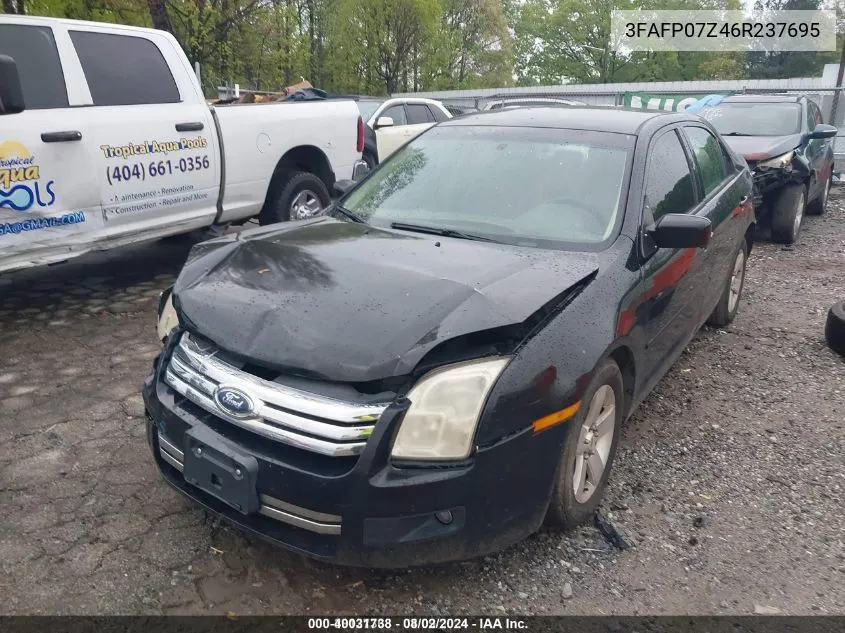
(416, 624)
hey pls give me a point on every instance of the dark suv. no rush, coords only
(789, 150)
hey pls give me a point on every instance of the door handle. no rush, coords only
(61, 137)
(189, 127)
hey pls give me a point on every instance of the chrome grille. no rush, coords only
(298, 418)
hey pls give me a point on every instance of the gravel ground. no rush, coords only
(729, 479)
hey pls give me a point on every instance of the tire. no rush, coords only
(370, 159)
(817, 206)
(728, 305)
(289, 192)
(566, 509)
(834, 329)
(788, 213)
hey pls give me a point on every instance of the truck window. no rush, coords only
(34, 51)
(124, 70)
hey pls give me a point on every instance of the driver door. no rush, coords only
(668, 286)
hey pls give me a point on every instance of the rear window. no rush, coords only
(754, 119)
(39, 68)
(124, 70)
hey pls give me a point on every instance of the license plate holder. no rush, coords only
(215, 467)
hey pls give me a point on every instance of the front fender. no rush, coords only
(552, 369)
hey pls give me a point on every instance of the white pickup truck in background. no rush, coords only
(106, 140)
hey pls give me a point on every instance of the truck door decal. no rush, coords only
(24, 193)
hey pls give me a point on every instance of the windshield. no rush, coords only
(525, 186)
(367, 108)
(755, 119)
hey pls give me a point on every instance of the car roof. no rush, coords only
(769, 98)
(617, 120)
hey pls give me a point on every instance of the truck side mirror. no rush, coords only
(11, 94)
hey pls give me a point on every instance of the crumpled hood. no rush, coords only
(756, 148)
(349, 302)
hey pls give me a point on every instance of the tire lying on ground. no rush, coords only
(834, 330)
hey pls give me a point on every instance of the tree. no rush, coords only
(158, 14)
(14, 6)
(773, 65)
(471, 46)
(373, 43)
(568, 41)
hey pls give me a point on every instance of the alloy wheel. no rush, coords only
(306, 204)
(594, 443)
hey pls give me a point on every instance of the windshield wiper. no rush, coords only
(433, 230)
(736, 134)
(349, 214)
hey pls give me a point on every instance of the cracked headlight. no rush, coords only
(167, 319)
(779, 162)
(445, 407)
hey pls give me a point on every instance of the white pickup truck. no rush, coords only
(106, 140)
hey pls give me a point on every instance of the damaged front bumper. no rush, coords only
(352, 507)
(768, 180)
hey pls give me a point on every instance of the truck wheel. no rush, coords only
(817, 206)
(728, 304)
(834, 329)
(787, 214)
(588, 450)
(296, 196)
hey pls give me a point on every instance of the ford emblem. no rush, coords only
(234, 402)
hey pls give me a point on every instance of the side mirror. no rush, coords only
(384, 121)
(11, 94)
(823, 130)
(677, 230)
(343, 186)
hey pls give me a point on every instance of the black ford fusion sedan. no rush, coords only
(443, 362)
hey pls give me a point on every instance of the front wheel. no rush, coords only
(728, 304)
(588, 450)
(787, 213)
(297, 196)
(817, 206)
